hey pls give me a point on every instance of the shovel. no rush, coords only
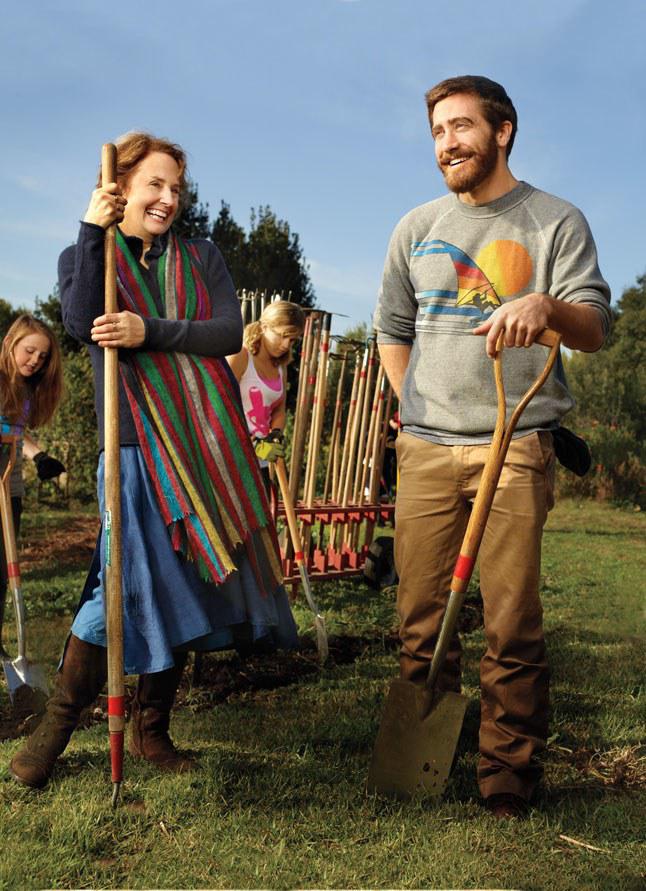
(292, 522)
(420, 726)
(26, 682)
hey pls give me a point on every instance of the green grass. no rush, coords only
(280, 799)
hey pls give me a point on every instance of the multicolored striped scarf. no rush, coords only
(192, 431)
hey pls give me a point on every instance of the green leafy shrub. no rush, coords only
(610, 391)
(72, 435)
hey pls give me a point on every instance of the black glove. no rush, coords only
(46, 467)
(571, 451)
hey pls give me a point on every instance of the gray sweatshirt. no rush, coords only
(449, 266)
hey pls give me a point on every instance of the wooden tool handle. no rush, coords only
(112, 518)
(10, 440)
(8, 530)
(548, 338)
(496, 459)
(483, 501)
(288, 504)
(109, 175)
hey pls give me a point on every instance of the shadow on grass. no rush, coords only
(592, 659)
(592, 533)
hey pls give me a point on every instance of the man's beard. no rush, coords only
(468, 176)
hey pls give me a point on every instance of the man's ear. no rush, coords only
(504, 134)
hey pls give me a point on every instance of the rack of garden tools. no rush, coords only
(253, 303)
(337, 447)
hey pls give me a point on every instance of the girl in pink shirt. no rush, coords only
(259, 368)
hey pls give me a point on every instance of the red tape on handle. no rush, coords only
(116, 756)
(464, 567)
(116, 706)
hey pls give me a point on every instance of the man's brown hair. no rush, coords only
(497, 107)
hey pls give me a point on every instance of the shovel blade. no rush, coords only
(22, 673)
(413, 752)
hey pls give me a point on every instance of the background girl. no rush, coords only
(31, 385)
(260, 369)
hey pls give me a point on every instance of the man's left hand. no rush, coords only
(522, 321)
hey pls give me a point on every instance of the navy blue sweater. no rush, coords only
(81, 282)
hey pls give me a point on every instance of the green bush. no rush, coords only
(72, 435)
(610, 392)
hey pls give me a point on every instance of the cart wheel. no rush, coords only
(379, 569)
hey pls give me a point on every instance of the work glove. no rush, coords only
(270, 447)
(571, 451)
(46, 467)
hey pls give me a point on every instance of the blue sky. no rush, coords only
(315, 107)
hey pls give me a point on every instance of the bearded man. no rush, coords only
(494, 256)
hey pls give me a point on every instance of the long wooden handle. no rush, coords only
(483, 501)
(548, 338)
(288, 504)
(299, 557)
(8, 530)
(496, 459)
(10, 545)
(320, 398)
(112, 517)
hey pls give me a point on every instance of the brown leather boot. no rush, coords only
(77, 685)
(150, 719)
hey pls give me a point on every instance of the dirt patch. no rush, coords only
(63, 546)
(215, 679)
(21, 716)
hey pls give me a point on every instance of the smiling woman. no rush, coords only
(152, 197)
(201, 568)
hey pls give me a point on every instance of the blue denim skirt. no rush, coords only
(166, 606)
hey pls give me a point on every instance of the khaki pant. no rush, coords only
(436, 487)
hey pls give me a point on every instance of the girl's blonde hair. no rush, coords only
(43, 390)
(279, 314)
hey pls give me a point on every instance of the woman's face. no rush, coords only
(31, 353)
(153, 192)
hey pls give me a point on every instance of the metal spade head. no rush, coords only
(415, 746)
(26, 681)
(27, 686)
